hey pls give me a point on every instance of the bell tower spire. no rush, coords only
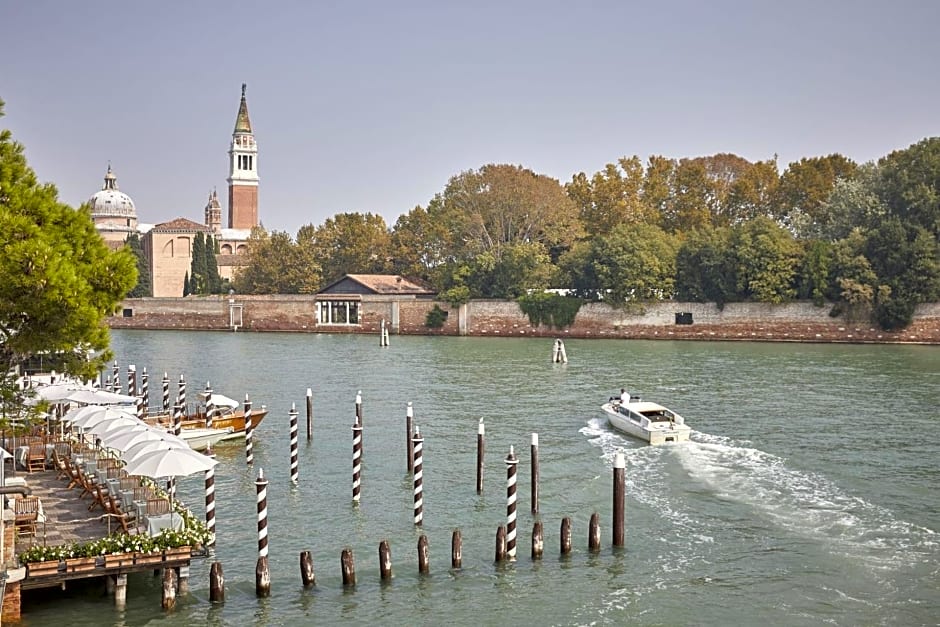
(243, 172)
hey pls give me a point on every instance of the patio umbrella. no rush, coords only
(149, 446)
(125, 438)
(91, 418)
(171, 462)
(111, 425)
(59, 392)
(100, 397)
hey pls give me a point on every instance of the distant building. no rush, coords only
(340, 302)
(113, 212)
(168, 246)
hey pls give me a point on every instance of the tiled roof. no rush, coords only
(181, 224)
(388, 284)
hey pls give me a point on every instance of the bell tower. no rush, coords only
(243, 172)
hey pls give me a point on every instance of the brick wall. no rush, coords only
(793, 321)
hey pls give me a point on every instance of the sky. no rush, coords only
(372, 107)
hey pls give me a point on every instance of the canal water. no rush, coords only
(807, 495)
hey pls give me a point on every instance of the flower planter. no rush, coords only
(80, 564)
(48, 567)
(148, 559)
(178, 553)
(117, 560)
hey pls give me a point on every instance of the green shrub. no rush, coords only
(550, 309)
(435, 318)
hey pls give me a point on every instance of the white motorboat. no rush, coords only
(201, 439)
(650, 422)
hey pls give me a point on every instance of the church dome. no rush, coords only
(112, 204)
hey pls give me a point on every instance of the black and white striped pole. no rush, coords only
(294, 468)
(116, 378)
(177, 419)
(132, 390)
(181, 403)
(210, 502)
(262, 572)
(249, 429)
(418, 443)
(210, 406)
(145, 392)
(357, 460)
(166, 394)
(409, 420)
(511, 464)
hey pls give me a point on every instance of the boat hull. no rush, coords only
(654, 432)
(201, 439)
(233, 423)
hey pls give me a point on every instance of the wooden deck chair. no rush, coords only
(60, 451)
(143, 493)
(129, 483)
(113, 508)
(157, 506)
(100, 493)
(26, 511)
(36, 456)
(73, 473)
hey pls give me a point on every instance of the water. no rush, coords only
(807, 495)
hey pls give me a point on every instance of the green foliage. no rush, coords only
(58, 279)
(213, 278)
(456, 296)
(187, 285)
(435, 318)
(766, 258)
(278, 265)
(550, 309)
(348, 243)
(144, 286)
(635, 262)
(705, 267)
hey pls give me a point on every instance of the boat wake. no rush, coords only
(801, 503)
(805, 503)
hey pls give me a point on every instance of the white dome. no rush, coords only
(110, 202)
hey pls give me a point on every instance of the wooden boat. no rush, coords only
(226, 417)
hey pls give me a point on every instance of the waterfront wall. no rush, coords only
(801, 321)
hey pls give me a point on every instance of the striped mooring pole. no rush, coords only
(210, 502)
(619, 493)
(166, 394)
(359, 406)
(357, 460)
(418, 443)
(181, 401)
(116, 377)
(249, 429)
(145, 392)
(262, 572)
(177, 419)
(511, 464)
(409, 420)
(210, 406)
(132, 389)
(294, 468)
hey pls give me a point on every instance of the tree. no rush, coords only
(635, 262)
(766, 261)
(705, 267)
(277, 265)
(805, 187)
(58, 279)
(751, 194)
(349, 243)
(505, 211)
(910, 184)
(198, 275)
(421, 245)
(610, 197)
(213, 278)
(144, 286)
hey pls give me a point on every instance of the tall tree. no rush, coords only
(213, 278)
(751, 194)
(421, 245)
(198, 267)
(277, 265)
(767, 259)
(805, 187)
(349, 243)
(58, 280)
(611, 196)
(144, 286)
(635, 262)
(910, 184)
(705, 267)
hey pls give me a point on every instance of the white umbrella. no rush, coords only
(89, 420)
(173, 462)
(149, 446)
(100, 397)
(124, 439)
(111, 425)
(59, 392)
(74, 414)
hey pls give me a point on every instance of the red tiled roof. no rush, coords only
(181, 224)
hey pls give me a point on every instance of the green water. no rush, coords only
(807, 496)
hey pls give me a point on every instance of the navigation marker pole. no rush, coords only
(262, 572)
(357, 460)
(511, 463)
(418, 443)
(619, 492)
(294, 469)
(210, 502)
(249, 455)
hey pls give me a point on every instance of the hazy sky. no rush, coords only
(373, 106)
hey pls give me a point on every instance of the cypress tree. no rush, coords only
(213, 279)
(144, 286)
(198, 274)
(186, 291)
